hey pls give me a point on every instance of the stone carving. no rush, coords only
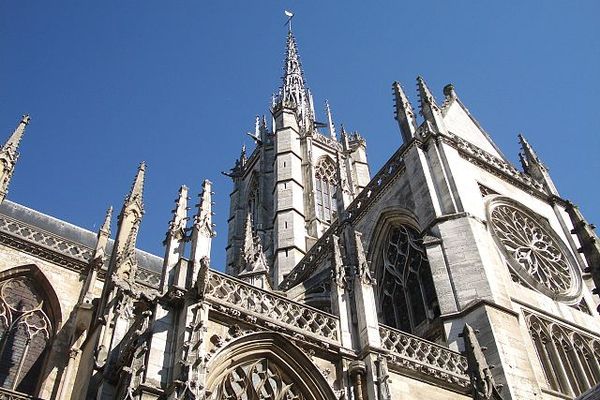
(266, 305)
(533, 251)
(257, 379)
(421, 356)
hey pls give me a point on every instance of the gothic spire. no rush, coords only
(429, 108)
(9, 155)
(533, 166)
(404, 113)
(293, 92)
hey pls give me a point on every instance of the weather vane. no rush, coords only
(290, 15)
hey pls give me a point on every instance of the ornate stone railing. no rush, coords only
(45, 240)
(6, 394)
(419, 356)
(355, 210)
(252, 304)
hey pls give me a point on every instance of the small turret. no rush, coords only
(404, 114)
(9, 154)
(429, 108)
(533, 166)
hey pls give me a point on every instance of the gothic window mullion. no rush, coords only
(541, 344)
(562, 366)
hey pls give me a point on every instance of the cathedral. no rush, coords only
(449, 273)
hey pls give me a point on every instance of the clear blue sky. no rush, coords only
(178, 84)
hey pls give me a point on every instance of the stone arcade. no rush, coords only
(449, 274)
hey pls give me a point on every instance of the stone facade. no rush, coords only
(451, 274)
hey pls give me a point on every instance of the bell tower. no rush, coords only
(288, 182)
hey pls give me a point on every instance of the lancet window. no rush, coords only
(25, 331)
(570, 360)
(253, 201)
(406, 294)
(325, 187)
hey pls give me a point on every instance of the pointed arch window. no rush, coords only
(406, 293)
(570, 360)
(26, 328)
(325, 187)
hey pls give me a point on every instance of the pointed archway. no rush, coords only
(265, 365)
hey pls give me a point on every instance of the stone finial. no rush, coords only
(527, 151)
(484, 387)
(9, 155)
(425, 96)
(330, 124)
(404, 113)
(136, 194)
(533, 166)
(449, 91)
(429, 108)
(178, 223)
(203, 230)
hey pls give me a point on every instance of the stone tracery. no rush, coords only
(325, 186)
(257, 379)
(534, 252)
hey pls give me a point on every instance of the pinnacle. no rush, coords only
(180, 212)
(137, 188)
(425, 95)
(15, 138)
(106, 225)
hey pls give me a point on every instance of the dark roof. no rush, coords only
(70, 232)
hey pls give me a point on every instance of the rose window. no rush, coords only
(534, 252)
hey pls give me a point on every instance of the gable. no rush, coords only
(459, 121)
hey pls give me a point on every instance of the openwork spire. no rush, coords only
(293, 92)
(9, 155)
